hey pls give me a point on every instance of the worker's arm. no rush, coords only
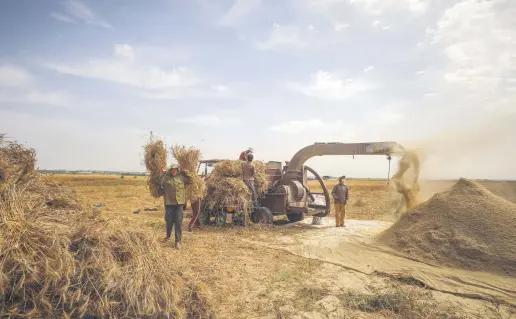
(188, 179)
(334, 193)
(347, 194)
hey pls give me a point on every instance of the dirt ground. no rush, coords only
(279, 271)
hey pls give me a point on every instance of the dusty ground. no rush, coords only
(247, 280)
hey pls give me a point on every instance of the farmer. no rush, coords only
(248, 175)
(340, 195)
(244, 154)
(173, 185)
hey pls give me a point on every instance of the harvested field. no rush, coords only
(466, 226)
(246, 281)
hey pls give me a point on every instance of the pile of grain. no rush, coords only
(226, 187)
(466, 227)
(188, 158)
(156, 164)
(60, 260)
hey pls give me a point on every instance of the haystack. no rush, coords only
(465, 227)
(60, 260)
(226, 187)
(156, 164)
(188, 158)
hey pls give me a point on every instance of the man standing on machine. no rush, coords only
(340, 195)
(248, 175)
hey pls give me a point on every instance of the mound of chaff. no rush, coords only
(60, 260)
(226, 187)
(188, 158)
(406, 181)
(156, 164)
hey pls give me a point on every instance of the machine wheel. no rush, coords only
(296, 217)
(262, 216)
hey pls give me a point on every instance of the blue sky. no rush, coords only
(83, 82)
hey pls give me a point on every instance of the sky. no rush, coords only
(84, 82)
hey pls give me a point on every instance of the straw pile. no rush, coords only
(188, 158)
(59, 260)
(156, 164)
(227, 189)
(466, 227)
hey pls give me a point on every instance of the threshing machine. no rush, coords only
(289, 194)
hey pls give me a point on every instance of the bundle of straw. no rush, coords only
(226, 187)
(59, 260)
(233, 169)
(228, 192)
(188, 158)
(156, 165)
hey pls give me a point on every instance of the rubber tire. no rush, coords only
(296, 217)
(262, 216)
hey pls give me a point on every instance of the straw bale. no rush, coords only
(188, 158)
(228, 192)
(233, 169)
(156, 164)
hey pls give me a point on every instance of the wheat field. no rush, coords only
(246, 281)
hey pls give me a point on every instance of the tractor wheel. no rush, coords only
(295, 217)
(262, 216)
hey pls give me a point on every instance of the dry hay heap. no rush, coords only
(188, 158)
(226, 187)
(464, 227)
(59, 260)
(156, 164)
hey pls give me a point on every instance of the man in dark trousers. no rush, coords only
(174, 195)
(340, 195)
(248, 176)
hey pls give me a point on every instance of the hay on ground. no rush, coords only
(156, 164)
(59, 260)
(466, 227)
(188, 158)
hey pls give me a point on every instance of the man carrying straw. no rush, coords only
(174, 195)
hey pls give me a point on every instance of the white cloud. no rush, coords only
(387, 115)
(202, 120)
(340, 26)
(13, 76)
(295, 37)
(35, 97)
(369, 69)
(479, 40)
(126, 69)
(238, 11)
(302, 126)
(124, 51)
(380, 6)
(330, 86)
(82, 12)
(373, 7)
(62, 17)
